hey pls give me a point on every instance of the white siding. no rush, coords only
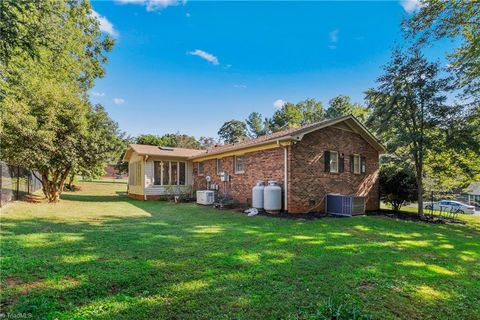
(137, 189)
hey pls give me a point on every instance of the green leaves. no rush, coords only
(233, 130)
(53, 52)
(459, 20)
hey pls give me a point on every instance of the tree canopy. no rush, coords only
(232, 131)
(459, 20)
(257, 126)
(169, 140)
(293, 115)
(408, 106)
(48, 123)
(342, 105)
(397, 183)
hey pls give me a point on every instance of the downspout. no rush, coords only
(144, 177)
(285, 174)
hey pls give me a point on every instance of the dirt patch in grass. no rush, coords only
(285, 215)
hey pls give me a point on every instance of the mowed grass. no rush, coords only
(100, 255)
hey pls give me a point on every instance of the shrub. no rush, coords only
(397, 185)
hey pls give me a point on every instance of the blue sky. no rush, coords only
(191, 66)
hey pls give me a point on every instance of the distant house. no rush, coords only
(111, 172)
(473, 194)
(332, 156)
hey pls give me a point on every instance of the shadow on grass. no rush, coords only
(189, 262)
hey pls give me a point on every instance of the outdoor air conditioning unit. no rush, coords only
(344, 205)
(205, 197)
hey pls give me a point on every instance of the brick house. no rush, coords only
(331, 156)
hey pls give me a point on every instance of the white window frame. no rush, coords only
(357, 164)
(218, 171)
(243, 164)
(332, 155)
(177, 183)
(198, 168)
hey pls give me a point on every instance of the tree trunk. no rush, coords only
(52, 184)
(420, 193)
(70, 181)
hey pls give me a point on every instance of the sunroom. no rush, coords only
(159, 171)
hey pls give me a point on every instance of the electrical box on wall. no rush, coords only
(224, 177)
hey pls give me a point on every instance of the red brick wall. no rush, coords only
(259, 165)
(309, 183)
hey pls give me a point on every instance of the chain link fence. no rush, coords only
(16, 182)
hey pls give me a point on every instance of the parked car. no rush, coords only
(450, 206)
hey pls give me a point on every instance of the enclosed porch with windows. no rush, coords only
(168, 177)
(159, 171)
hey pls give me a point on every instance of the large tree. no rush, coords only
(101, 143)
(342, 105)
(207, 142)
(232, 131)
(169, 140)
(46, 117)
(452, 162)
(408, 105)
(257, 125)
(296, 115)
(460, 20)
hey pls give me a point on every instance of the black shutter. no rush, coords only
(351, 163)
(363, 165)
(326, 155)
(341, 162)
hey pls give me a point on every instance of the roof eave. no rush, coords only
(278, 140)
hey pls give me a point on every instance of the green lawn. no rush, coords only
(100, 255)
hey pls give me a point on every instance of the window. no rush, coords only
(239, 164)
(219, 166)
(165, 173)
(333, 161)
(201, 168)
(169, 173)
(157, 172)
(174, 171)
(356, 164)
(181, 173)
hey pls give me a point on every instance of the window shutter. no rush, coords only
(352, 163)
(326, 155)
(341, 162)
(363, 165)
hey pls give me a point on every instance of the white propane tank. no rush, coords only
(272, 197)
(257, 195)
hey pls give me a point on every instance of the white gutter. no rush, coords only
(144, 177)
(285, 174)
(285, 178)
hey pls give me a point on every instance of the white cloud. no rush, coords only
(98, 94)
(188, 15)
(105, 25)
(333, 38)
(411, 6)
(118, 100)
(153, 5)
(205, 55)
(240, 86)
(279, 103)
